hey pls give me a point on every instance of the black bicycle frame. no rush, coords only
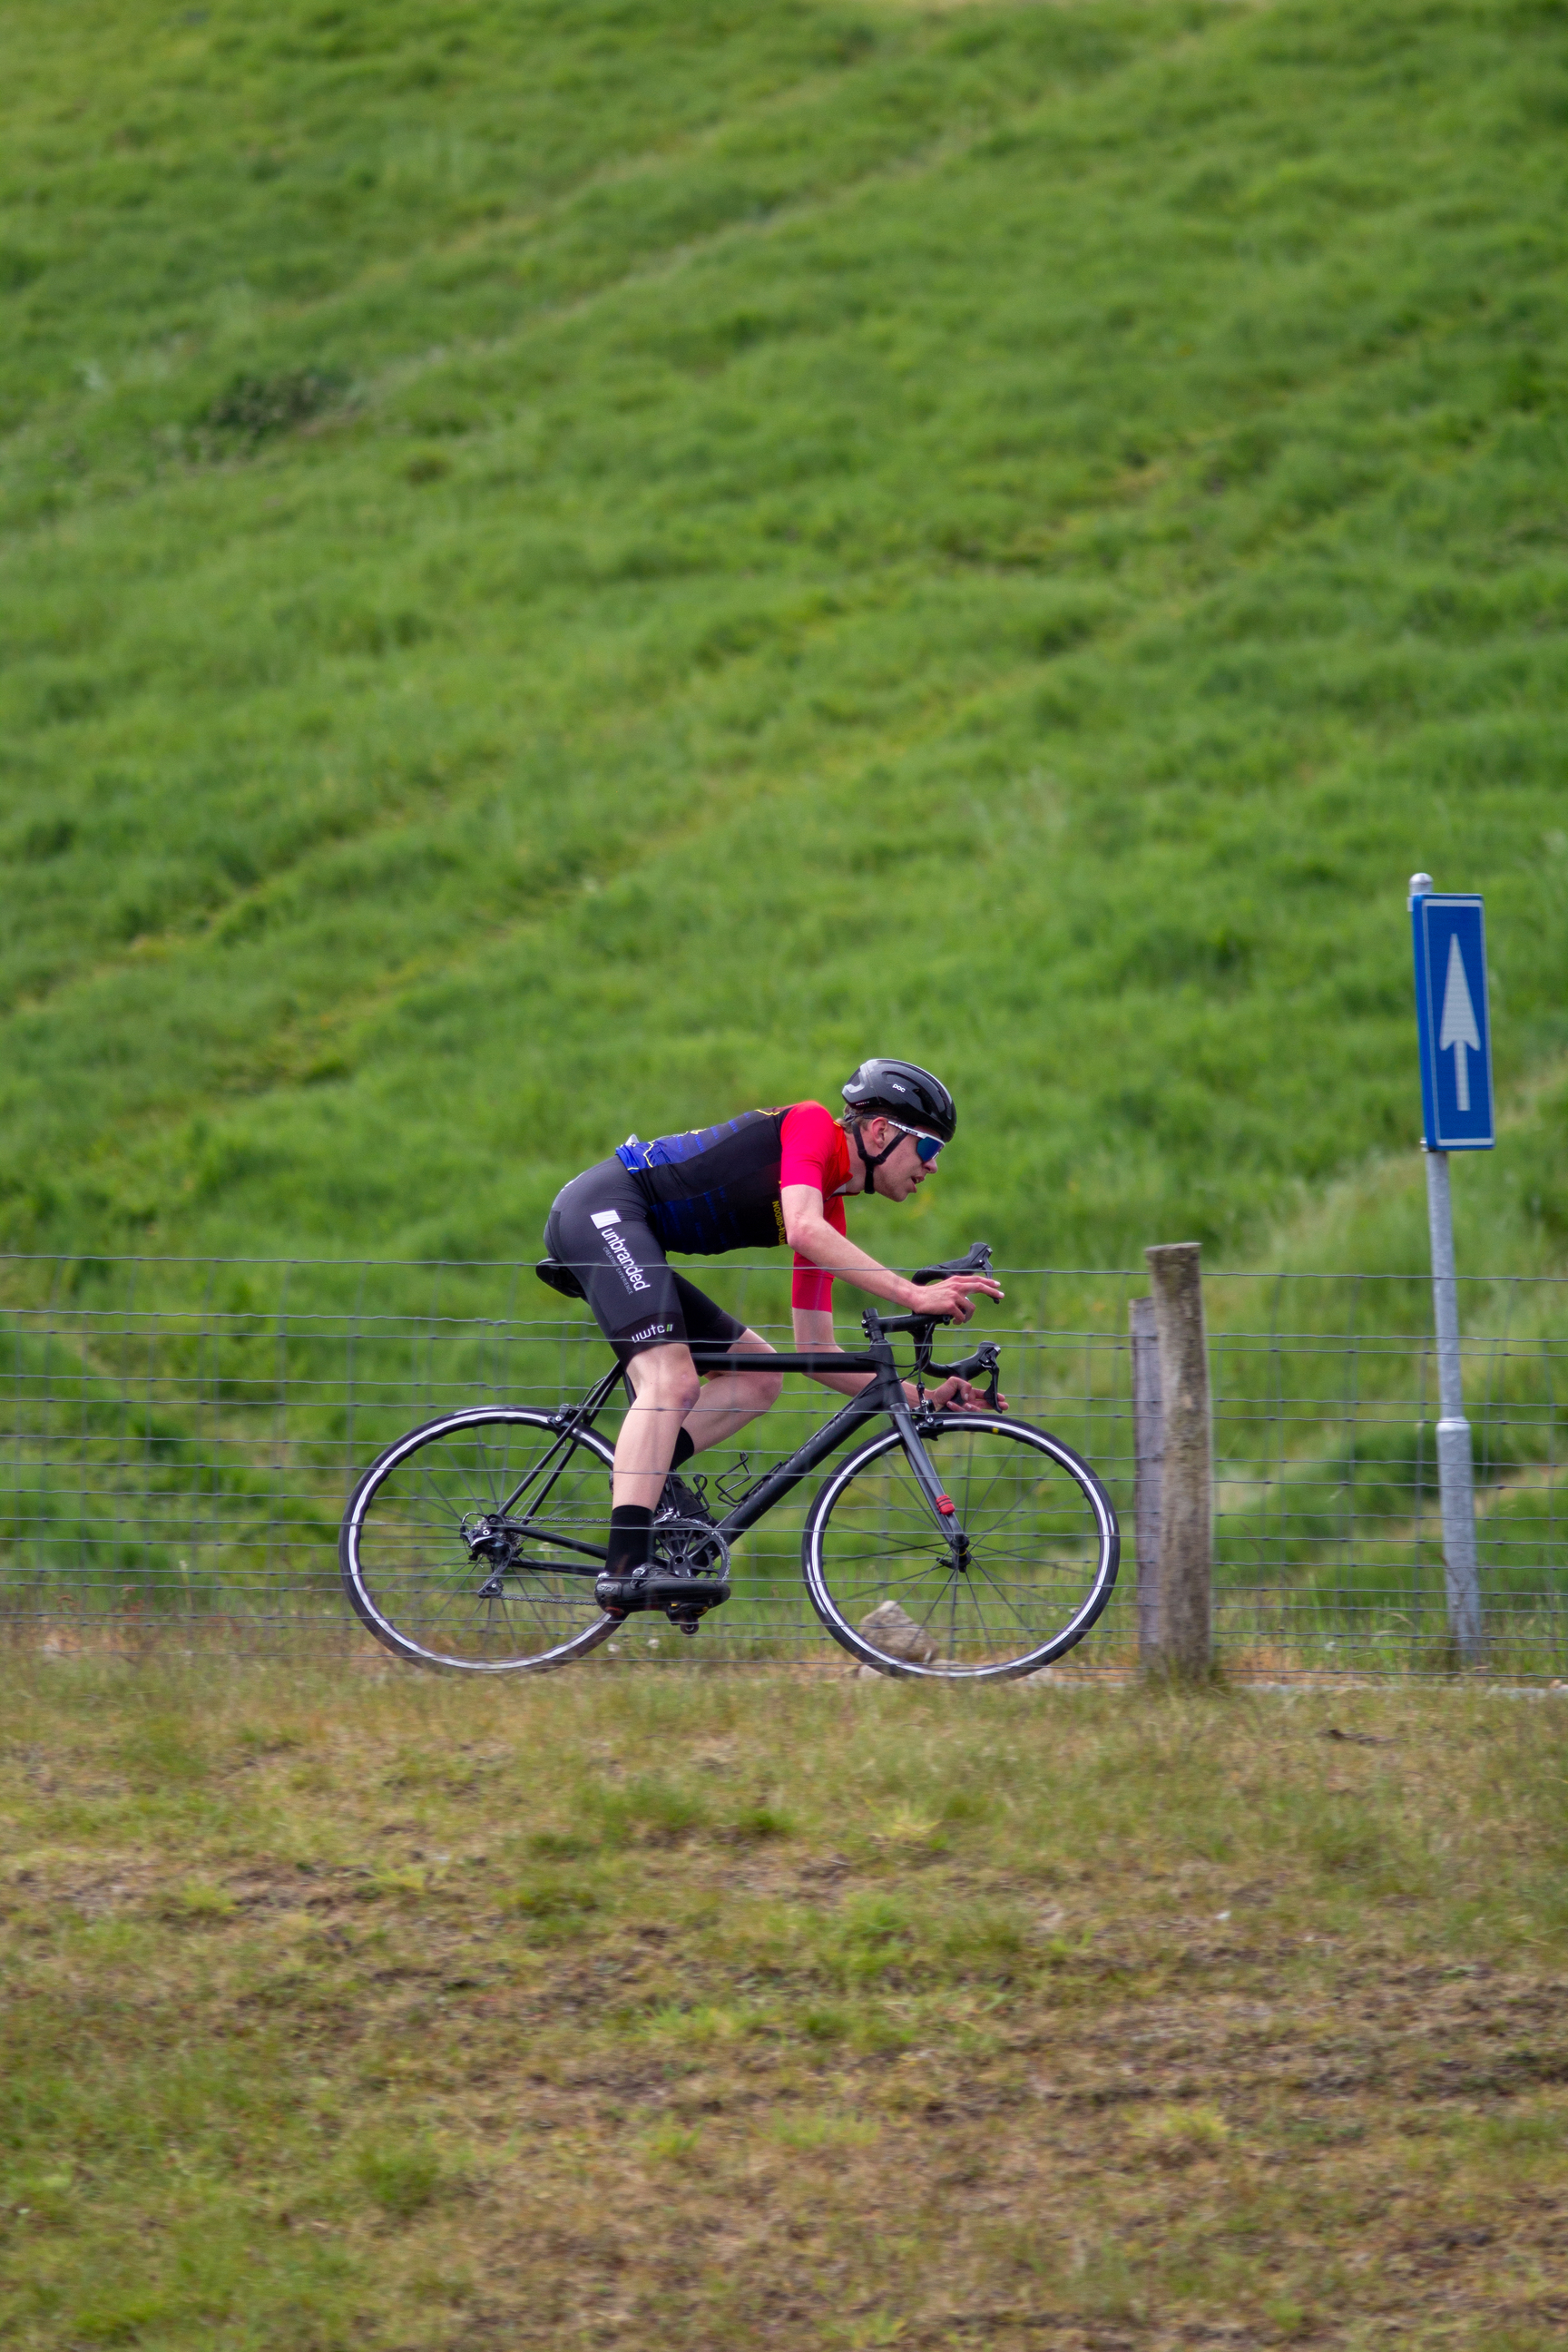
(871, 1401)
(883, 1393)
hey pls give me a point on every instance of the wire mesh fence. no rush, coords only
(180, 1438)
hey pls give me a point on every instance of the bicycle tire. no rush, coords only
(408, 1568)
(1046, 1552)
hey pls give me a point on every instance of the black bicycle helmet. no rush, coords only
(907, 1092)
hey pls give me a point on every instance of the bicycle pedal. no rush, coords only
(697, 1594)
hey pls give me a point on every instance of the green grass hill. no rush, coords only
(573, 568)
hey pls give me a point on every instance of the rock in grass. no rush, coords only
(893, 1630)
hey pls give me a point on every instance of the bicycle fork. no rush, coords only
(944, 1511)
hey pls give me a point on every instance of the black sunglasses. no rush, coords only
(926, 1146)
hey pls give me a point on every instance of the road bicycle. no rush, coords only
(958, 1546)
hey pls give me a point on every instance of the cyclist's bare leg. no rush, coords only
(730, 1400)
(666, 1388)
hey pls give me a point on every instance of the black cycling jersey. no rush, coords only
(713, 1188)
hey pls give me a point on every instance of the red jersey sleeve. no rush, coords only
(815, 1151)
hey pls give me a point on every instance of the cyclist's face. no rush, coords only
(902, 1172)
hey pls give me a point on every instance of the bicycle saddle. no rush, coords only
(559, 1277)
(976, 1259)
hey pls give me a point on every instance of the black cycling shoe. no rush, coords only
(677, 1592)
(687, 1574)
(616, 1594)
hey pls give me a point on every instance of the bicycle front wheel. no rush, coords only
(474, 1542)
(1042, 1547)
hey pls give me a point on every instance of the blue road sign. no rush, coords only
(1451, 1014)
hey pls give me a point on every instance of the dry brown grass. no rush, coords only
(657, 2011)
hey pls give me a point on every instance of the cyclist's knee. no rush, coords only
(757, 1389)
(665, 1378)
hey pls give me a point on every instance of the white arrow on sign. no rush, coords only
(1459, 1024)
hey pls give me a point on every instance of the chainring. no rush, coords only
(690, 1548)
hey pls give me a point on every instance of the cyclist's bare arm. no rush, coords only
(814, 1335)
(808, 1231)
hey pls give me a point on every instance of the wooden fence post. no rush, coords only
(1148, 1462)
(1185, 1641)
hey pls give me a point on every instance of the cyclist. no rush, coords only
(765, 1179)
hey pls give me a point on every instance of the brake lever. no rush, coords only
(986, 1358)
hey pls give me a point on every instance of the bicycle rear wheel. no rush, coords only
(443, 1576)
(1043, 1547)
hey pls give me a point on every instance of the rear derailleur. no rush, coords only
(493, 1541)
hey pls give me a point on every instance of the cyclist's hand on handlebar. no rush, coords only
(954, 1294)
(962, 1396)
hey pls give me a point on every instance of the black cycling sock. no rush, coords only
(631, 1538)
(684, 1448)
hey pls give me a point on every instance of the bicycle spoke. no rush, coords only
(984, 1629)
(443, 1503)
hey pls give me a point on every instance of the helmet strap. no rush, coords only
(866, 1162)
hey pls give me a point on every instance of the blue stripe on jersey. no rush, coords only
(670, 1151)
(712, 1188)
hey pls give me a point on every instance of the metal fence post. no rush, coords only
(1149, 1462)
(1456, 1471)
(1185, 1644)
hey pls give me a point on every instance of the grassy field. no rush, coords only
(347, 2010)
(573, 568)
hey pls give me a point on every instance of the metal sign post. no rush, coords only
(1455, 1028)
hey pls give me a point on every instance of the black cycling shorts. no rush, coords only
(599, 1228)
